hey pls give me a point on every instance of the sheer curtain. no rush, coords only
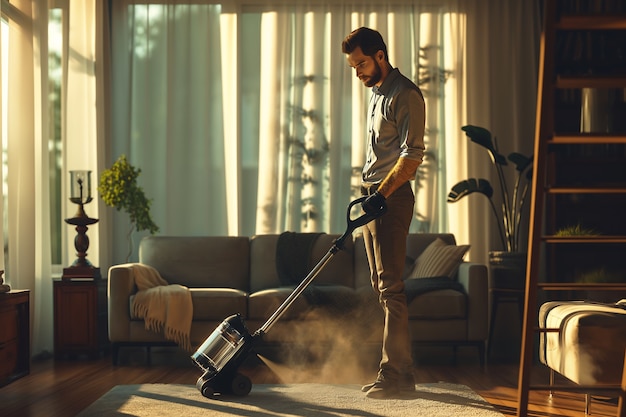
(29, 263)
(500, 94)
(168, 115)
(311, 134)
(246, 118)
(84, 117)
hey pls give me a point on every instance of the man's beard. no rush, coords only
(373, 79)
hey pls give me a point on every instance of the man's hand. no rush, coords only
(374, 204)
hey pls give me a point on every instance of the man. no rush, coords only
(395, 148)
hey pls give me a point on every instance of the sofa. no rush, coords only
(229, 275)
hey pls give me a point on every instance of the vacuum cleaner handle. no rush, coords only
(359, 221)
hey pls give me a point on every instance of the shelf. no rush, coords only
(590, 81)
(560, 286)
(587, 190)
(584, 239)
(586, 22)
(587, 139)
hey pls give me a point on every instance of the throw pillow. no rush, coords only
(439, 259)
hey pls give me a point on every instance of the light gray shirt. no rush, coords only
(395, 126)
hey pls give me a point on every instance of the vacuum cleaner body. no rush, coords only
(221, 354)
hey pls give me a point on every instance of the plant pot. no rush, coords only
(507, 270)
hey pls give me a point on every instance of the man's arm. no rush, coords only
(410, 113)
(404, 170)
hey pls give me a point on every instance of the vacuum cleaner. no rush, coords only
(221, 354)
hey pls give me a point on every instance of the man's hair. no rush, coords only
(369, 40)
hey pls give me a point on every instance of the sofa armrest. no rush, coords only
(121, 285)
(474, 277)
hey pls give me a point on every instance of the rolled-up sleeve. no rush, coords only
(410, 112)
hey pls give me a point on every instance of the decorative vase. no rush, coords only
(508, 270)
(596, 110)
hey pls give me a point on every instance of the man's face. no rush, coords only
(367, 68)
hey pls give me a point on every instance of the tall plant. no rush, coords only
(118, 188)
(510, 214)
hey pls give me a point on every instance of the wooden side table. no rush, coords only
(14, 335)
(80, 317)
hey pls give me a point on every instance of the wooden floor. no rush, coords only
(65, 387)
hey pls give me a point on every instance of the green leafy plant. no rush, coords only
(510, 214)
(576, 230)
(118, 188)
(600, 275)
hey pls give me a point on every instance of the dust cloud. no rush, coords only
(327, 345)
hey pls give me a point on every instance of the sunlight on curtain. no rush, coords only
(303, 75)
(232, 151)
(294, 140)
(27, 160)
(271, 143)
(453, 150)
(4, 58)
(80, 133)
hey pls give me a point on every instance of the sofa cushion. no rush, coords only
(199, 262)
(338, 271)
(439, 305)
(432, 305)
(213, 303)
(263, 273)
(218, 303)
(439, 259)
(416, 243)
(314, 300)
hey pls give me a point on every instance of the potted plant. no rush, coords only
(118, 188)
(511, 262)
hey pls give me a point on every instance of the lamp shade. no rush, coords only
(80, 187)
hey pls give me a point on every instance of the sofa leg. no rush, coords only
(455, 350)
(551, 384)
(621, 402)
(482, 352)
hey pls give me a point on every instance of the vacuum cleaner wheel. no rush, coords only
(241, 385)
(204, 387)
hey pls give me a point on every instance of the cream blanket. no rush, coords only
(163, 307)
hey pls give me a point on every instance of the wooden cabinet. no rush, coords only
(14, 335)
(80, 318)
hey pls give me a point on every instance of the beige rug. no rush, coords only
(314, 400)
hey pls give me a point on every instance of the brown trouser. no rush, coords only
(385, 243)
